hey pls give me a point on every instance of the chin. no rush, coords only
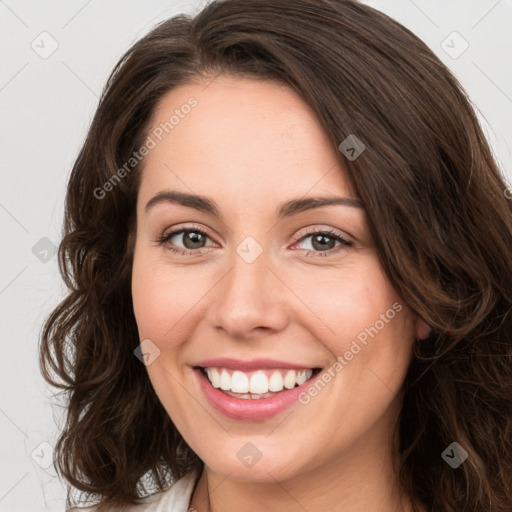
(256, 460)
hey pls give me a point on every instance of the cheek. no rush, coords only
(163, 300)
(344, 304)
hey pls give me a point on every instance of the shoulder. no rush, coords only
(175, 499)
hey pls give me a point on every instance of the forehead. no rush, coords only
(249, 141)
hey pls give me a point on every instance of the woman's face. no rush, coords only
(261, 293)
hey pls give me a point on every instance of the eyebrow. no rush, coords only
(286, 209)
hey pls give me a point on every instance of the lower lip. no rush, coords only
(249, 409)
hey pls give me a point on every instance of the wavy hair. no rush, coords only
(437, 209)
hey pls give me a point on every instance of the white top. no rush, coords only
(175, 499)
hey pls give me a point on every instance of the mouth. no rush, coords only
(262, 383)
(254, 390)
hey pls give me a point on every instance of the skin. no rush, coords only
(250, 145)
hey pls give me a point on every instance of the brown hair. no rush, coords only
(437, 211)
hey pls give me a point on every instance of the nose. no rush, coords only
(250, 301)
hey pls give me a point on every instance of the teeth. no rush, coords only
(301, 378)
(289, 379)
(275, 383)
(225, 381)
(260, 382)
(239, 382)
(213, 375)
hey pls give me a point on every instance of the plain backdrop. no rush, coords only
(55, 58)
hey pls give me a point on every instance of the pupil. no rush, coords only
(321, 246)
(195, 239)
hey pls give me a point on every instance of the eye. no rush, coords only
(192, 238)
(323, 242)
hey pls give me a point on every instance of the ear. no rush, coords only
(423, 330)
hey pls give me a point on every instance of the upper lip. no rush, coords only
(253, 364)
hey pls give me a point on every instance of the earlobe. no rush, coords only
(423, 330)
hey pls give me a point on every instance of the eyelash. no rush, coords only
(192, 229)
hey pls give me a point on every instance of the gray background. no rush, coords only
(47, 102)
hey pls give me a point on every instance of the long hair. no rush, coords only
(437, 210)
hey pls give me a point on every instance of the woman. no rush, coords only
(287, 246)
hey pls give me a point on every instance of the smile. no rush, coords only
(262, 383)
(252, 390)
